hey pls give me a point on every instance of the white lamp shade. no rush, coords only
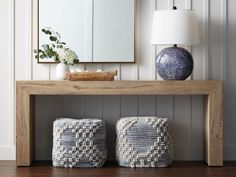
(175, 27)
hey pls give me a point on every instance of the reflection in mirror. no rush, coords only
(97, 30)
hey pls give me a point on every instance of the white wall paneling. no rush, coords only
(7, 77)
(40, 72)
(43, 122)
(214, 58)
(195, 127)
(230, 84)
(111, 113)
(144, 51)
(23, 39)
(215, 39)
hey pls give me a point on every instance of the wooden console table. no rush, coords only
(213, 104)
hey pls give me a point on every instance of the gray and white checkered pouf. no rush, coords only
(79, 143)
(143, 142)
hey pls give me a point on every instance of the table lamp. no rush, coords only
(174, 27)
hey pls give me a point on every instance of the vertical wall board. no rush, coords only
(230, 86)
(146, 105)
(182, 120)
(128, 72)
(73, 106)
(93, 106)
(44, 129)
(39, 71)
(7, 67)
(23, 40)
(145, 50)
(195, 134)
(129, 106)
(111, 113)
(215, 42)
(198, 51)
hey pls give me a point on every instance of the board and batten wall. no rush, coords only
(213, 58)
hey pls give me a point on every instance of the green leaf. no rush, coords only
(36, 57)
(35, 51)
(47, 52)
(52, 38)
(59, 46)
(47, 32)
(45, 46)
(76, 61)
(50, 54)
(42, 56)
(57, 59)
(43, 53)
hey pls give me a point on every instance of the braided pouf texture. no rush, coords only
(79, 143)
(143, 142)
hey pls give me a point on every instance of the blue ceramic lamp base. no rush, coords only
(174, 63)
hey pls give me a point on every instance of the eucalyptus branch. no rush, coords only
(56, 50)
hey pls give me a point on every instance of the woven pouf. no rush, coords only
(143, 142)
(79, 143)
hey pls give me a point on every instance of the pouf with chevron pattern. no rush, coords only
(79, 143)
(143, 142)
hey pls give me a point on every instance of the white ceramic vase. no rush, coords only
(61, 69)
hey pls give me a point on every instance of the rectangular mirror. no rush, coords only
(97, 30)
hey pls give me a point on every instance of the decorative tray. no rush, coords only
(91, 76)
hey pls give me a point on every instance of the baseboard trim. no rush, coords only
(7, 153)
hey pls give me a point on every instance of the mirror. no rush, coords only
(97, 30)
